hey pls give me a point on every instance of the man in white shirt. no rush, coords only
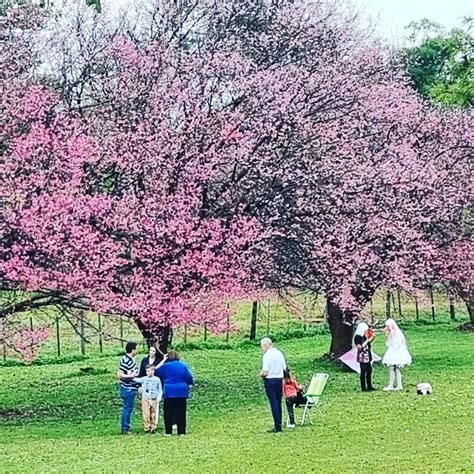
(273, 365)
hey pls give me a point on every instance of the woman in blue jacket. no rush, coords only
(176, 379)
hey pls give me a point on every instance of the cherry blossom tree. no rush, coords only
(369, 183)
(226, 149)
(113, 209)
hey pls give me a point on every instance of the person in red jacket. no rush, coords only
(292, 391)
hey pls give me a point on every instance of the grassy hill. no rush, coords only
(58, 418)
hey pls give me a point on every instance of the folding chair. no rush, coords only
(314, 395)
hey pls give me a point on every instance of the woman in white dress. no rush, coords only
(397, 355)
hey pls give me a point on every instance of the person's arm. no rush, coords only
(124, 373)
(123, 376)
(160, 390)
(368, 341)
(362, 345)
(160, 364)
(138, 379)
(265, 368)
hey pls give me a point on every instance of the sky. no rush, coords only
(394, 15)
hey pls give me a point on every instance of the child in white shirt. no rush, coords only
(152, 393)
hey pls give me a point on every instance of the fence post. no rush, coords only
(326, 311)
(99, 322)
(268, 317)
(205, 332)
(388, 306)
(185, 333)
(253, 321)
(121, 331)
(228, 324)
(4, 351)
(31, 323)
(433, 314)
(58, 337)
(81, 329)
(305, 307)
(452, 310)
(399, 299)
(417, 311)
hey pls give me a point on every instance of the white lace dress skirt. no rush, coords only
(397, 353)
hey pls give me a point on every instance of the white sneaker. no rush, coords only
(398, 388)
(291, 426)
(388, 388)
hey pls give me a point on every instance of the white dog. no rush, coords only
(424, 389)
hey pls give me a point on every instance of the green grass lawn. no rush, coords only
(55, 419)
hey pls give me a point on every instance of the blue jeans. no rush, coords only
(274, 391)
(128, 397)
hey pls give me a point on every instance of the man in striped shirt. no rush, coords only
(128, 388)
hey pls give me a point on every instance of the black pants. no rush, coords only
(298, 399)
(174, 411)
(365, 376)
(274, 391)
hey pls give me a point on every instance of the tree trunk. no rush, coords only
(399, 300)
(341, 322)
(253, 321)
(388, 307)
(467, 296)
(155, 335)
(433, 311)
(452, 309)
(341, 331)
(163, 338)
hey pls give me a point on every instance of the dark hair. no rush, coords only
(150, 366)
(172, 355)
(131, 346)
(287, 375)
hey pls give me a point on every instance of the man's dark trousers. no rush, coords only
(274, 391)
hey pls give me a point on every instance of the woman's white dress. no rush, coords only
(397, 353)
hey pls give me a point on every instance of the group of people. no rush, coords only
(161, 377)
(396, 357)
(279, 382)
(165, 377)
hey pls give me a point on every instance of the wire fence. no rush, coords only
(89, 334)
